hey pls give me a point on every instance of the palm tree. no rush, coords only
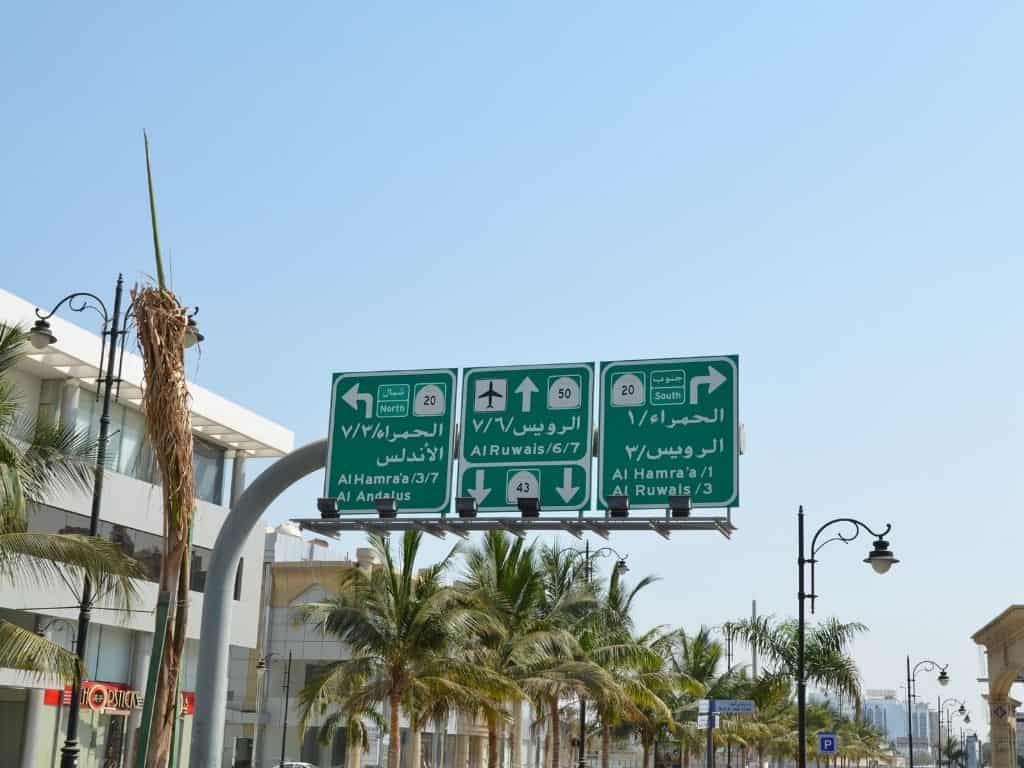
(645, 682)
(519, 634)
(636, 664)
(35, 459)
(695, 661)
(952, 753)
(828, 661)
(569, 596)
(399, 622)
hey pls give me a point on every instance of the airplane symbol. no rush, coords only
(491, 390)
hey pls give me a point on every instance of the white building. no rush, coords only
(59, 383)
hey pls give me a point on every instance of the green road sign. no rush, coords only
(669, 428)
(391, 436)
(526, 432)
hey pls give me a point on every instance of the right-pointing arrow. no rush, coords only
(479, 492)
(567, 490)
(713, 380)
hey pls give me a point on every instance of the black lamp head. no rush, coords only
(881, 558)
(41, 336)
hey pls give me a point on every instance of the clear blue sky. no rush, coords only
(831, 191)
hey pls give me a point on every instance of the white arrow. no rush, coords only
(567, 490)
(353, 396)
(527, 389)
(479, 493)
(714, 380)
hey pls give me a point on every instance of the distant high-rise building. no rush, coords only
(887, 712)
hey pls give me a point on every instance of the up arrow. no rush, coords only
(353, 396)
(714, 380)
(479, 493)
(527, 388)
(567, 490)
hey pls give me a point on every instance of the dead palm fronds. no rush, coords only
(161, 321)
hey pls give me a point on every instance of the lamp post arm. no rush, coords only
(846, 538)
(929, 666)
(79, 302)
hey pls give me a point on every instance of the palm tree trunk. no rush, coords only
(354, 756)
(606, 741)
(686, 756)
(556, 726)
(415, 747)
(647, 755)
(517, 735)
(395, 731)
(492, 742)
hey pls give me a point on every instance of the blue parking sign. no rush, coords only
(828, 744)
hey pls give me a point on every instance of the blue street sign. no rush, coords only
(828, 743)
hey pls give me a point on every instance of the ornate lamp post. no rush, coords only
(621, 567)
(926, 665)
(115, 330)
(880, 558)
(947, 706)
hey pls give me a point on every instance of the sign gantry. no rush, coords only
(668, 440)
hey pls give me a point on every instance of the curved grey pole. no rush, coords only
(214, 637)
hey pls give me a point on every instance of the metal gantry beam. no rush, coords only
(463, 526)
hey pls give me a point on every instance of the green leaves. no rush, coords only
(27, 651)
(828, 661)
(522, 622)
(37, 459)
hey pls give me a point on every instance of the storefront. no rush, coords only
(104, 729)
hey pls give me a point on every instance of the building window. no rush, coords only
(128, 449)
(145, 547)
(49, 401)
(238, 578)
(209, 466)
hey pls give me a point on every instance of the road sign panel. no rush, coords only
(391, 435)
(734, 706)
(726, 706)
(704, 720)
(828, 743)
(526, 432)
(670, 428)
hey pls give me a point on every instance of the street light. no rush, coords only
(621, 567)
(943, 679)
(962, 712)
(880, 559)
(262, 664)
(113, 335)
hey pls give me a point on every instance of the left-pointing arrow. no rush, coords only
(353, 397)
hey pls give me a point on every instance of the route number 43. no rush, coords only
(523, 484)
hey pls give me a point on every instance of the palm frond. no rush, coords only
(27, 651)
(33, 557)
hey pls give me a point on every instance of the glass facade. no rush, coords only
(128, 450)
(145, 547)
